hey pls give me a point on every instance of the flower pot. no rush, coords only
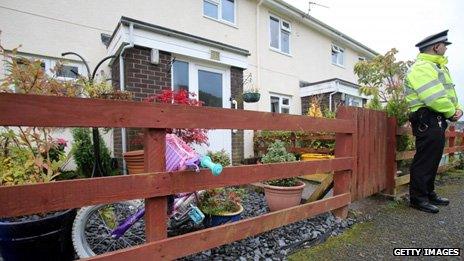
(47, 238)
(217, 220)
(134, 161)
(283, 197)
(251, 97)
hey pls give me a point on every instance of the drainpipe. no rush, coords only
(122, 88)
(332, 93)
(258, 56)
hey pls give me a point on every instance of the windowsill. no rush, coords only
(222, 22)
(279, 51)
(338, 65)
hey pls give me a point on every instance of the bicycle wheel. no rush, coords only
(91, 234)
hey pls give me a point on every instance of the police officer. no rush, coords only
(432, 100)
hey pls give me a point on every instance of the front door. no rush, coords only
(212, 86)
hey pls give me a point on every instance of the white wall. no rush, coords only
(47, 27)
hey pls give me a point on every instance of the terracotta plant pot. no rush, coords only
(283, 197)
(134, 161)
(217, 220)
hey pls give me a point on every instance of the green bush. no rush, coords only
(82, 151)
(275, 154)
(221, 157)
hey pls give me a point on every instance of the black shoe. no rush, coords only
(425, 206)
(439, 201)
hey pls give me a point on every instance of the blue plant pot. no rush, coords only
(217, 220)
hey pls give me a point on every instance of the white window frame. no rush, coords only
(281, 105)
(281, 28)
(339, 51)
(218, 3)
(362, 58)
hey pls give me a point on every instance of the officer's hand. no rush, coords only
(457, 115)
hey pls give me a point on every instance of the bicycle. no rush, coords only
(108, 227)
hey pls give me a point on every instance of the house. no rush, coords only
(207, 46)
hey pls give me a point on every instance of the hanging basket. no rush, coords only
(251, 97)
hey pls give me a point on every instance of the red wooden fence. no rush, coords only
(156, 184)
(364, 164)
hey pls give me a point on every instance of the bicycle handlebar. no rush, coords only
(206, 162)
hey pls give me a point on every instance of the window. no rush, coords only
(221, 10)
(180, 75)
(353, 101)
(280, 31)
(280, 103)
(361, 58)
(337, 55)
(67, 71)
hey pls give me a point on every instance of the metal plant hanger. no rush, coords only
(97, 170)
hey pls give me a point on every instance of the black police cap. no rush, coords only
(441, 37)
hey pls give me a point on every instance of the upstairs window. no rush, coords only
(221, 10)
(280, 103)
(337, 55)
(280, 31)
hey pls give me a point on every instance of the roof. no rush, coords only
(306, 84)
(178, 34)
(315, 22)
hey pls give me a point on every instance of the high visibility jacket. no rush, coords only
(428, 84)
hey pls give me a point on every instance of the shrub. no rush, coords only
(84, 157)
(221, 157)
(277, 153)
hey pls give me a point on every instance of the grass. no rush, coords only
(354, 234)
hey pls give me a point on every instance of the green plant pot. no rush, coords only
(251, 97)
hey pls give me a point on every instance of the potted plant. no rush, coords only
(251, 95)
(221, 205)
(286, 192)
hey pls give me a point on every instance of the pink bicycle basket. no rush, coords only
(178, 154)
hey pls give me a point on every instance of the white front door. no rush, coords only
(212, 86)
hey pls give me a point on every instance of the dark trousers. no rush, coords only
(429, 129)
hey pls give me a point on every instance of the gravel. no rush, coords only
(277, 243)
(272, 245)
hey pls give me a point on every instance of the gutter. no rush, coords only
(258, 56)
(122, 88)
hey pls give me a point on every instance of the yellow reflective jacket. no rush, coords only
(428, 84)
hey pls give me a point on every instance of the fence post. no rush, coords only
(155, 208)
(391, 155)
(344, 147)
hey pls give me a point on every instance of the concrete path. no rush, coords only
(387, 225)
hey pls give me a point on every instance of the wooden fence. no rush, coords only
(396, 184)
(362, 166)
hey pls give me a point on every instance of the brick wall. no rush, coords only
(143, 79)
(236, 75)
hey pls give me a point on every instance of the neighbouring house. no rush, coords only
(205, 46)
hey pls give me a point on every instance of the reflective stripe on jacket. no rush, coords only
(429, 84)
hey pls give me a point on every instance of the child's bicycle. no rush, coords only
(108, 227)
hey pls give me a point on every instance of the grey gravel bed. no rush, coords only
(272, 245)
(277, 243)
